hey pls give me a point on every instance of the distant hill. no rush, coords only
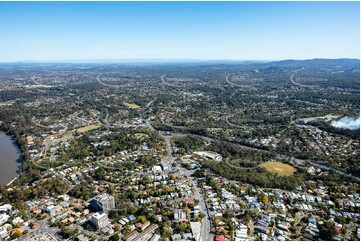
(269, 66)
(317, 63)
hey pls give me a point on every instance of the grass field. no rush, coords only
(131, 105)
(6, 104)
(48, 138)
(87, 128)
(64, 138)
(280, 168)
(70, 135)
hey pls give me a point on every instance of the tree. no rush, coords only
(265, 199)
(114, 237)
(126, 230)
(65, 232)
(327, 231)
(16, 234)
(142, 219)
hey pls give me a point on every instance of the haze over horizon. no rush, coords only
(206, 31)
(170, 60)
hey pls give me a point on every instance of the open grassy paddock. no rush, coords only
(3, 104)
(280, 168)
(88, 128)
(131, 105)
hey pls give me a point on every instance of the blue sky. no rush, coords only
(168, 30)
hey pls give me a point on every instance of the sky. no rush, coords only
(41, 31)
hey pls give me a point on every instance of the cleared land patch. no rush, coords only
(3, 104)
(70, 135)
(131, 105)
(87, 128)
(280, 168)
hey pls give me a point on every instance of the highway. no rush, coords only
(231, 83)
(206, 234)
(296, 83)
(109, 85)
(36, 82)
(169, 84)
(313, 163)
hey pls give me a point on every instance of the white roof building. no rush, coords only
(5, 208)
(196, 230)
(3, 218)
(157, 169)
(100, 220)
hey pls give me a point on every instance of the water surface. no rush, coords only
(10, 159)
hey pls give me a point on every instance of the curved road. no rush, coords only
(296, 83)
(314, 163)
(169, 84)
(238, 167)
(231, 83)
(109, 85)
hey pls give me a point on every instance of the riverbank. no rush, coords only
(14, 179)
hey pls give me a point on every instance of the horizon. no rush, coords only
(165, 61)
(231, 31)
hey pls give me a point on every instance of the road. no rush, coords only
(106, 123)
(43, 229)
(169, 84)
(231, 83)
(174, 127)
(86, 232)
(147, 123)
(296, 83)
(109, 85)
(206, 234)
(314, 163)
(239, 167)
(244, 121)
(42, 85)
(302, 161)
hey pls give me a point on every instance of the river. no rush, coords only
(10, 159)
